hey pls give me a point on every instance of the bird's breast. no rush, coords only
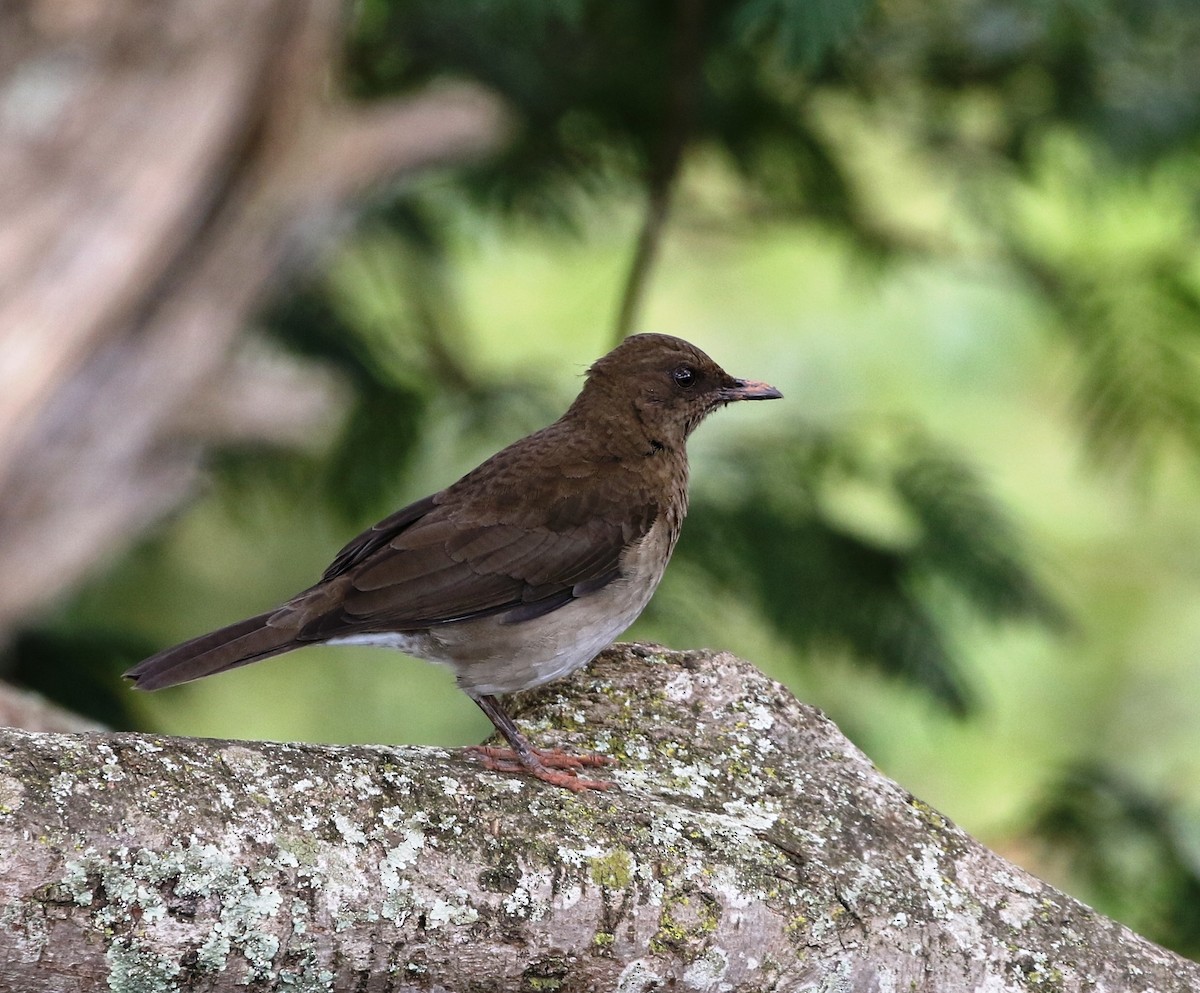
(491, 656)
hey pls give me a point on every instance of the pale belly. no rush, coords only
(490, 656)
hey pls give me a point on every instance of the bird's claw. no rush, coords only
(552, 766)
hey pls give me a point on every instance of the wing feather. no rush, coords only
(475, 551)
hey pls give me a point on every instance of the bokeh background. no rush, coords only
(959, 235)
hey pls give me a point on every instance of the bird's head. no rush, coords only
(667, 385)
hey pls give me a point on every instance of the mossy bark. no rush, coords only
(746, 845)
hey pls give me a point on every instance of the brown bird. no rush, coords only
(528, 566)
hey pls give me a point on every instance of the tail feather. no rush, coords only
(238, 644)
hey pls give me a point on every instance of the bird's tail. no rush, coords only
(238, 644)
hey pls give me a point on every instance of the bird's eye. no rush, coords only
(685, 377)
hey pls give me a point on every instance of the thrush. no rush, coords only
(527, 567)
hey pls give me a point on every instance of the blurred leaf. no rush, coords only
(1122, 73)
(965, 539)
(1130, 847)
(77, 668)
(307, 320)
(371, 339)
(799, 32)
(593, 85)
(861, 577)
(830, 590)
(1115, 254)
(374, 452)
(1139, 375)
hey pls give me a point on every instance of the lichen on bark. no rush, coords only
(746, 845)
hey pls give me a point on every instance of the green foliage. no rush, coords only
(965, 542)
(609, 94)
(383, 425)
(599, 88)
(1117, 255)
(1132, 850)
(861, 541)
(384, 316)
(1097, 108)
(76, 668)
(799, 32)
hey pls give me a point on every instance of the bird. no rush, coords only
(523, 570)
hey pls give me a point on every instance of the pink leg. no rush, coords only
(552, 766)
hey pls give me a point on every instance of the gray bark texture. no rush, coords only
(162, 166)
(746, 845)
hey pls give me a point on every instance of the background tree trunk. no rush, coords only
(33, 712)
(746, 845)
(161, 166)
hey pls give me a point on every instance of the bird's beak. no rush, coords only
(749, 389)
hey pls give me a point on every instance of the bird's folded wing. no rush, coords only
(374, 538)
(438, 569)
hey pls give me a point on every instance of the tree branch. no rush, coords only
(747, 845)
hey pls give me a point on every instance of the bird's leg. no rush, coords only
(553, 766)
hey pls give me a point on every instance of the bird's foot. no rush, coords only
(552, 766)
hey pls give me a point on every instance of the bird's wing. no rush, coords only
(358, 549)
(435, 563)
